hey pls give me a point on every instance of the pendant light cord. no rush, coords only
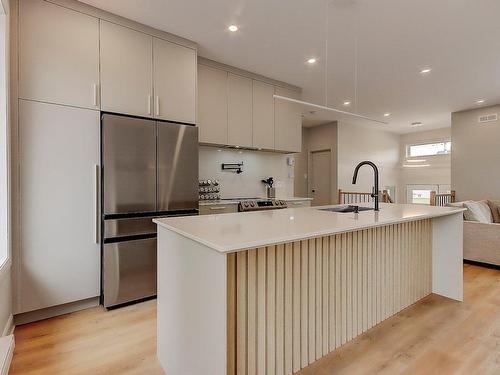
(326, 52)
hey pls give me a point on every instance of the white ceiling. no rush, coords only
(458, 39)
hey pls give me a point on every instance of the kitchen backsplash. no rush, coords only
(257, 165)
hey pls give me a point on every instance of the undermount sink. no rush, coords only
(346, 209)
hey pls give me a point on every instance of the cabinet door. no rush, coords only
(239, 110)
(288, 123)
(218, 209)
(59, 155)
(263, 115)
(174, 81)
(58, 55)
(212, 105)
(126, 70)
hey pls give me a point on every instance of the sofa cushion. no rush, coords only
(495, 210)
(478, 211)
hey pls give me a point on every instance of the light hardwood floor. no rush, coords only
(434, 336)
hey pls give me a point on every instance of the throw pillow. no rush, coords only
(494, 207)
(478, 211)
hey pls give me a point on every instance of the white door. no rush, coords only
(288, 123)
(239, 110)
(212, 105)
(58, 55)
(321, 177)
(59, 154)
(174, 81)
(126, 70)
(263, 115)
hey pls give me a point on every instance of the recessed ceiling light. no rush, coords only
(416, 124)
(425, 71)
(347, 102)
(387, 114)
(233, 28)
(480, 101)
(312, 60)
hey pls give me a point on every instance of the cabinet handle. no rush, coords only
(149, 104)
(217, 208)
(96, 203)
(157, 105)
(95, 95)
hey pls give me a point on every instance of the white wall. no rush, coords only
(356, 144)
(439, 171)
(257, 165)
(475, 156)
(317, 138)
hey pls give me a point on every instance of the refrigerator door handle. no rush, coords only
(96, 204)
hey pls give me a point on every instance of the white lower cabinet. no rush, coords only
(211, 209)
(59, 260)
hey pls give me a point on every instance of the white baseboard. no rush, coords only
(9, 327)
(6, 353)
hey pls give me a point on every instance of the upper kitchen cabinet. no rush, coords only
(263, 115)
(174, 81)
(58, 55)
(212, 105)
(126, 70)
(287, 123)
(239, 110)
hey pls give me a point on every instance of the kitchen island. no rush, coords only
(270, 292)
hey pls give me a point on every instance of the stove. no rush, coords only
(260, 205)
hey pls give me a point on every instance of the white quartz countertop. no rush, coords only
(246, 230)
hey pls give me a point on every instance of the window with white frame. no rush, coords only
(429, 149)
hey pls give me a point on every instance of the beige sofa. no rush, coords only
(482, 242)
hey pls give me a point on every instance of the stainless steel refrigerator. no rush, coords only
(149, 170)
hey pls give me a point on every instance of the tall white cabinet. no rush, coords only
(58, 55)
(74, 61)
(59, 155)
(126, 70)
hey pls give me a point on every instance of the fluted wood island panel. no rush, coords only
(290, 304)
(270, 292)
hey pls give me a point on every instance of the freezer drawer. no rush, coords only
(129, 164)
(177, 167)
(129, 271)
(128, 226)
